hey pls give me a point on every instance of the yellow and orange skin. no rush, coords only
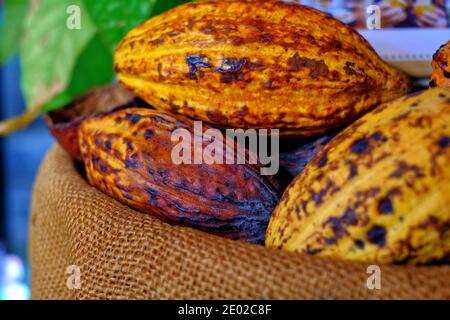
(378, 192)
(441, 67)
(256, 64)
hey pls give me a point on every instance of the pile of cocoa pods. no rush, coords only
(364, 167)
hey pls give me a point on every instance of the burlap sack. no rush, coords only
(122, 253)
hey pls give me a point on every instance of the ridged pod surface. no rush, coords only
(379, 191)
(441, 67)
(128, 155)
(256, 64)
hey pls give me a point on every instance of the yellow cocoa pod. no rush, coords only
(379, 191)
(441, 67)
(256, 64)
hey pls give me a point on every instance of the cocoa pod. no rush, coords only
(128, 155)
(64, 123)
(379, 191)
(256, 64)
(441, 67)
(294, 160)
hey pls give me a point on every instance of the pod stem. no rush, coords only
(12, 124)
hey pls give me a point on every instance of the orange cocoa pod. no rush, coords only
(256, 64)
(64, 123)
(441, 67)
(128, 155)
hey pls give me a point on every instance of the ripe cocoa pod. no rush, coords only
(441, 67)
(256, 64)
(127, 155)
(379, 191)
(64, 123)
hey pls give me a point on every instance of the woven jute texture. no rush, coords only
(123, 254)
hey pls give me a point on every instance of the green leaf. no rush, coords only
(10, 33)
(115, 18)
(50, 50)
(58, 63)
(94, 67)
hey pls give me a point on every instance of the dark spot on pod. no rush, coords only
(148, 134)
(127, 196)
(160, 120)
(360, 244)
(214, 115)
(349, 68)
(317, 67)
(266, 38)
(195, 62)
(151, 171)
(403, 168)
(242, 111)
(442, 96)
(103, 167)
(432, 84)
(317, 197)
(258, 66)
(444, 142)
(322, 161)
(414, 104)
(268, 85)
(226, 78)
(123, 187)
(360, 146)
(95, 159)
(151, 191)
(385, 206)
(353, 170)
(231, 65)
(133, 118)
(174, 107)
(340, 224)
(377, 235)
(446, 74)
(130, 147)
(130, 163)
(208, 29)
(378, 136)
(237, 41)
(108, 145)
(330, 240)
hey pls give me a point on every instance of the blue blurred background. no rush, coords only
(20, 155)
